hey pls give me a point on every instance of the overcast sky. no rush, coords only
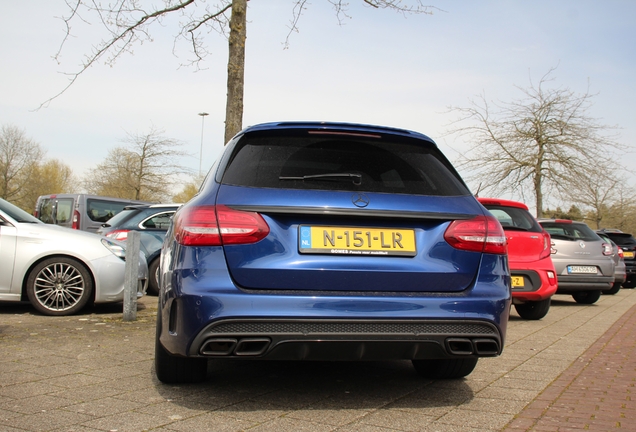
(379, 67)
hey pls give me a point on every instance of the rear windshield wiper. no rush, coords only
(356, 178)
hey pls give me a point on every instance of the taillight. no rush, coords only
(546, 245)
(218, 225)
(620, 253)
(551, 277)
(121, 235)
(480, 234)
(76, 220)
(607, 249)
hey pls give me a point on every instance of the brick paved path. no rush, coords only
(596, 393)
(92, 372)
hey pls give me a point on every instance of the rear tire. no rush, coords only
(533, 310)
(615, 288)
(177, 370)
(153, 277)
(445, 368)
(630, 283)
(587, 297)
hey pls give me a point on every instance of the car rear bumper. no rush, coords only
(322, 328)
(210, 317)
(620, 276)
(536, 286)
(630, 267)
(203, 313)
(570, 284)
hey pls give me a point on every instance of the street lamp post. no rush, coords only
(202, 114)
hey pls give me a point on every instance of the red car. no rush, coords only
(533, 276)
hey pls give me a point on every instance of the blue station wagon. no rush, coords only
(332, 241)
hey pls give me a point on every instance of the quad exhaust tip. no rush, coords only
(235, 346)
(477, 346)
(251, 346)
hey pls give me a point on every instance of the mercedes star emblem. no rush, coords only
(360, 200)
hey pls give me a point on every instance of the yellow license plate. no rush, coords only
(356, 241)
(628, 254)
(517, 281)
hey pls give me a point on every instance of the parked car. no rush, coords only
(79, 211)
(627, 243)
(332, 241)
(534, 280)
(58, 270)
(581, 259)
(620, 270)
(152, 221)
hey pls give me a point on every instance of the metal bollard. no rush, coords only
(131, 277)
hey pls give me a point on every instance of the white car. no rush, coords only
(57, 269)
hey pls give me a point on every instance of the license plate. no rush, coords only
(356, 241)
(518, 282)
(628, 254)
(583, 269)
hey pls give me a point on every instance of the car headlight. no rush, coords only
(116, 248)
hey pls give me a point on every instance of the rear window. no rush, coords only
(120, 217)
(622, 238)
(570, 231)
(512, 218)
(102, 211)
(341, 162)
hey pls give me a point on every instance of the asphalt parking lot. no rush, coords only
(93, 372)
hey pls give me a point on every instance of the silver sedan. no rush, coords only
(57, 269)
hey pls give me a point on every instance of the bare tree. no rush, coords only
(534, 145)
(19, 158)
(49, 177)
(595, 189)
(144, 170)
(129, 22)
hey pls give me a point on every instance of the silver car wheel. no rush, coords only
(59, 286)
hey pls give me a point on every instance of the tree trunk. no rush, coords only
(539, 196)
(236, 69)
(538, 177)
